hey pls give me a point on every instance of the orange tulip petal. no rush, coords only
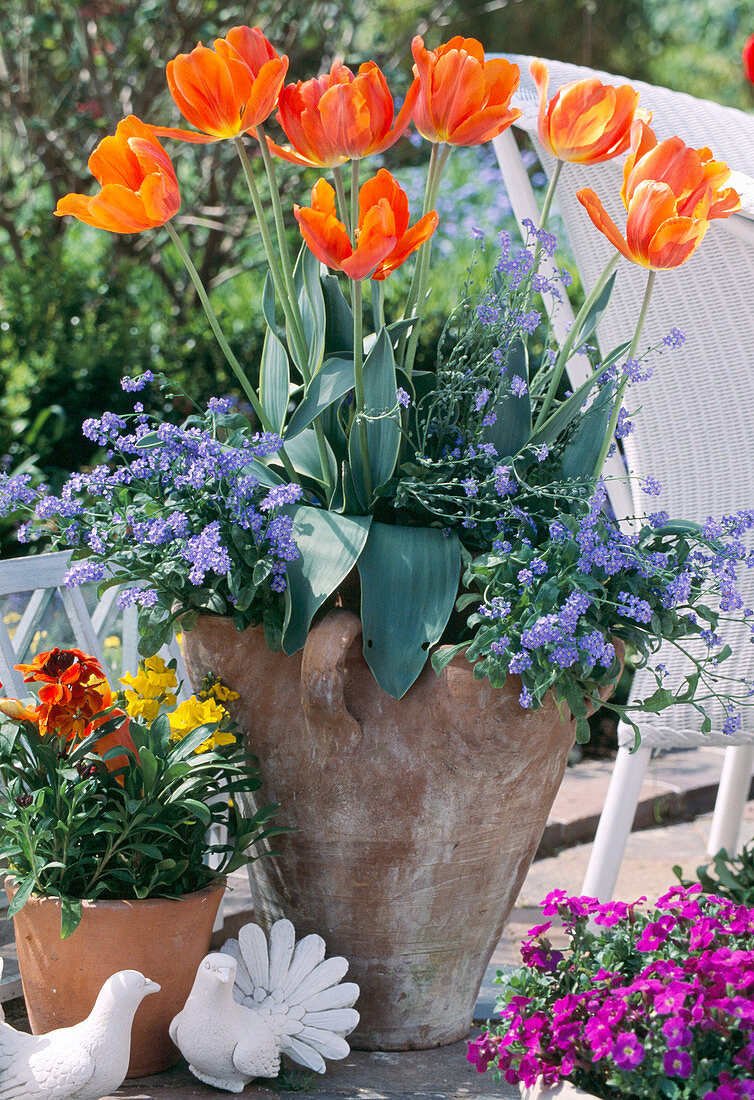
(413, 239)
(201, 86)
(180, 134)
(384, 186)
(285, 152)
(325, 235)
(652, 205)
(252, 46)
(485, 125)
(265, 93)
(344, 117)
(675, 242)
(602, 220)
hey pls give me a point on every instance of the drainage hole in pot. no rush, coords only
(425, 646)
(370, 643)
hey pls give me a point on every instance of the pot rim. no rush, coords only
(217, 885)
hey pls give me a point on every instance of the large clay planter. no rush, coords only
(164, 938)
(415, 820)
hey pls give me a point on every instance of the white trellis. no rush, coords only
(60, 615)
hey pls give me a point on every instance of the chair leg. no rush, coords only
(615, 823)
(735, 782)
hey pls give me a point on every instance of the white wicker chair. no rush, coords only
(694, 431)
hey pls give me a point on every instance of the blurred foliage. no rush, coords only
(727, 876)
(80, 308)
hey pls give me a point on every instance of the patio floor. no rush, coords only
(682, 781)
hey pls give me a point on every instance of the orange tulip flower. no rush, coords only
(338, 117)
(383, 239)
(227, 90)
(671, 193)
(461, 98)
(747, 55)
(139, 188)
(585, 121)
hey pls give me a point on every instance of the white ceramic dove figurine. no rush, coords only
(252, 1002)
(83, 1062)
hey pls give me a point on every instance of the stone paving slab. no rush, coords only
(440, 1074)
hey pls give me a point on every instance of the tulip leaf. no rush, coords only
(512, 427)
(311, 303)
(572, 405)
(338, 318)
(409, 583)
(304, 455)
(331, 383)
(274, 380)
(329, 545)
(594, 314)
(582, 450)
(383, 429)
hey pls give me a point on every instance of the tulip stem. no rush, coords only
(354, 220)
(378, 304)
(618, 402)
(358, 377)
(285, 258)
(565, 350)
(430, 198)
(340, 192)
(277, 275)
(238, 370)
(550, 196)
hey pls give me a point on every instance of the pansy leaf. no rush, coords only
(409, 583)
(328, 545)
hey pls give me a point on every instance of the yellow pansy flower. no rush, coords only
(150, 688)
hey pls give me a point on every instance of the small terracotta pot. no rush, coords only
(164, 938)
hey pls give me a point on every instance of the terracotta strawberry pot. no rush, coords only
(164, 938)
(415, 820)
(564, 1090)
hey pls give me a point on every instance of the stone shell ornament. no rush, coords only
(83, 1062)
(254, 1000)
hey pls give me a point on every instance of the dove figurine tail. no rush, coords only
(299, 992)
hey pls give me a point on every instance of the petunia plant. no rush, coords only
(640, 1004)
(462, 500)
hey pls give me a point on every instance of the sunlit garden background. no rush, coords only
(78, 308)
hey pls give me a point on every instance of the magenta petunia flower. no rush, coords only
(628, 1051)
(678, 1063)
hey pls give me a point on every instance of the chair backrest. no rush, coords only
(38, 611)
(694, 430)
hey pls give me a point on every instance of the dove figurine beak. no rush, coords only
(151, 987)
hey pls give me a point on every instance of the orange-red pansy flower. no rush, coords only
(461, 98)
(139, 188)
(226, 90)
(13, 708)
(338, 117)
(747, 55)
(585, 121)
(73, 691)
(383, 239)
(671, 193)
